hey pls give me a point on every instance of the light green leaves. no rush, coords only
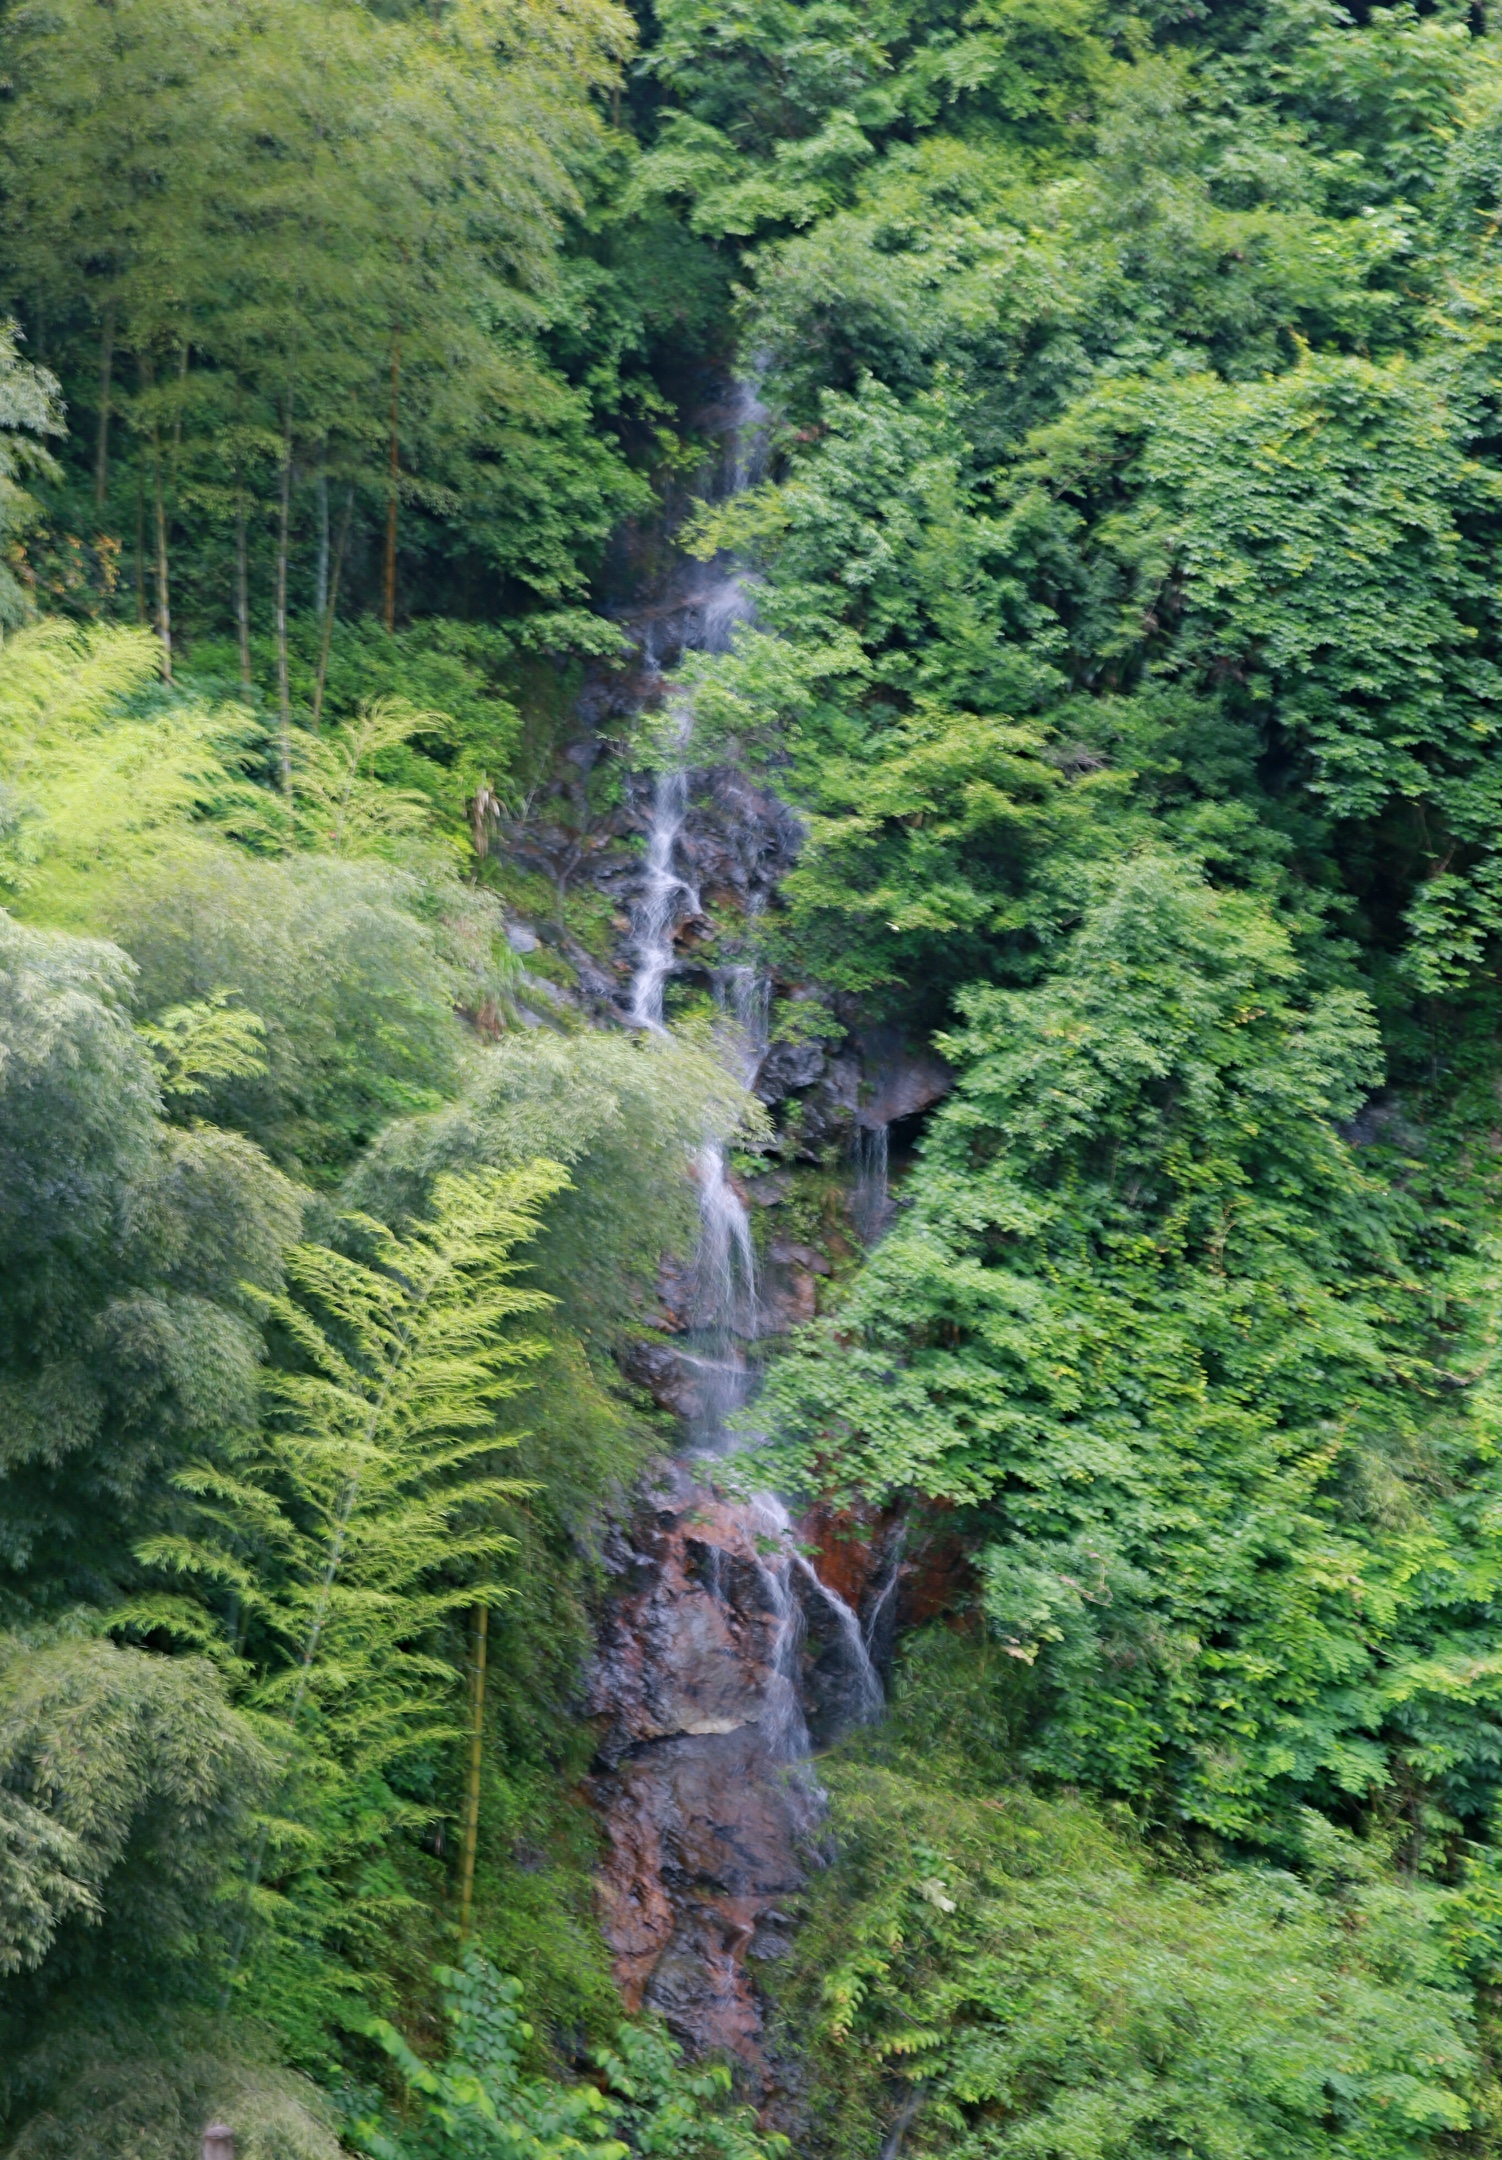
(195, 1045)
(1004, 1977)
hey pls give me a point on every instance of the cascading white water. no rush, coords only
(883, 1612)
(725, 1263)
(783, 1722)
(723, 1296)
(665, 898)
(704, 1667)
(867, 1697)
(724, 1313)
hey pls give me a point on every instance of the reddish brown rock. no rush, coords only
(717, 1635)
(850, 1547)
(636, 1913)
(937, 1577)
(705, 1850)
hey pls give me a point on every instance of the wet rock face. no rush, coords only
(705, 1806)
(690, 1643)
(736, 844)
(733, 1641)
(659, 1370)
(704, 1850)
(722, 1656)
(787, 1067)
(856, 1560)
(789, 1288)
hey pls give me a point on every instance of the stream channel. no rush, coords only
(724, 1659)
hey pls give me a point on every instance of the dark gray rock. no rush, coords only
(896, 1081)
(660, 1370)
(786, 1067)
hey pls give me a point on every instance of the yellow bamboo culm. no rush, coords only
(472, 1783)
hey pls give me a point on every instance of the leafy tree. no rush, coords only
(945, 839)
(1004, 1974)
(776, 107)
(127, 1790)
(621, 1115)
(124, 1777)
(29, 403)
(1244, 561)
(1159, 1323)
(127, 1337)
(355, 990)
(480, 2102)
(1124, 585)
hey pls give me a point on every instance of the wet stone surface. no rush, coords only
(723, 1658)
(702, 1790)
(722, 1655)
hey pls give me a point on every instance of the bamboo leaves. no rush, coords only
(370, 1498)
(340, 804)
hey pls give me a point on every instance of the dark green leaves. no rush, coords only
(1151, 1312)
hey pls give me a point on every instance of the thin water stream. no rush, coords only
(706, 1795)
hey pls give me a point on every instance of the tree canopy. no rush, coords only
(1107, 735)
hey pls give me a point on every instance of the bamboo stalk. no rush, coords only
(283, 690)
(140, 550)
(163, 576)
(242, 583)
(321, 573)
(472, 1783)
(106, 369)
(388, 570)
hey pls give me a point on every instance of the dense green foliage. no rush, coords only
(478, 2101)
(1125, 631)
(1011, 1963)
(266, 1454)
(1126, 637)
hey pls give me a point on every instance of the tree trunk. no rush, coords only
(140, 551)
(321, 576)
(472, 1782)
(163, 580)
(331, 610)
(159, 518)
(242, 583)
(283, 528)
(106, 372)
(177, 416)
(388, 574)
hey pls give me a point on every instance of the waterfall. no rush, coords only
(701, 1666)
(866, 1697)
(870, 1200)
(665, 899)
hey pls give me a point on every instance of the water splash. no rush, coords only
(783, 1723)
(863, 1696)
(881, 1620)
(744, 997)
